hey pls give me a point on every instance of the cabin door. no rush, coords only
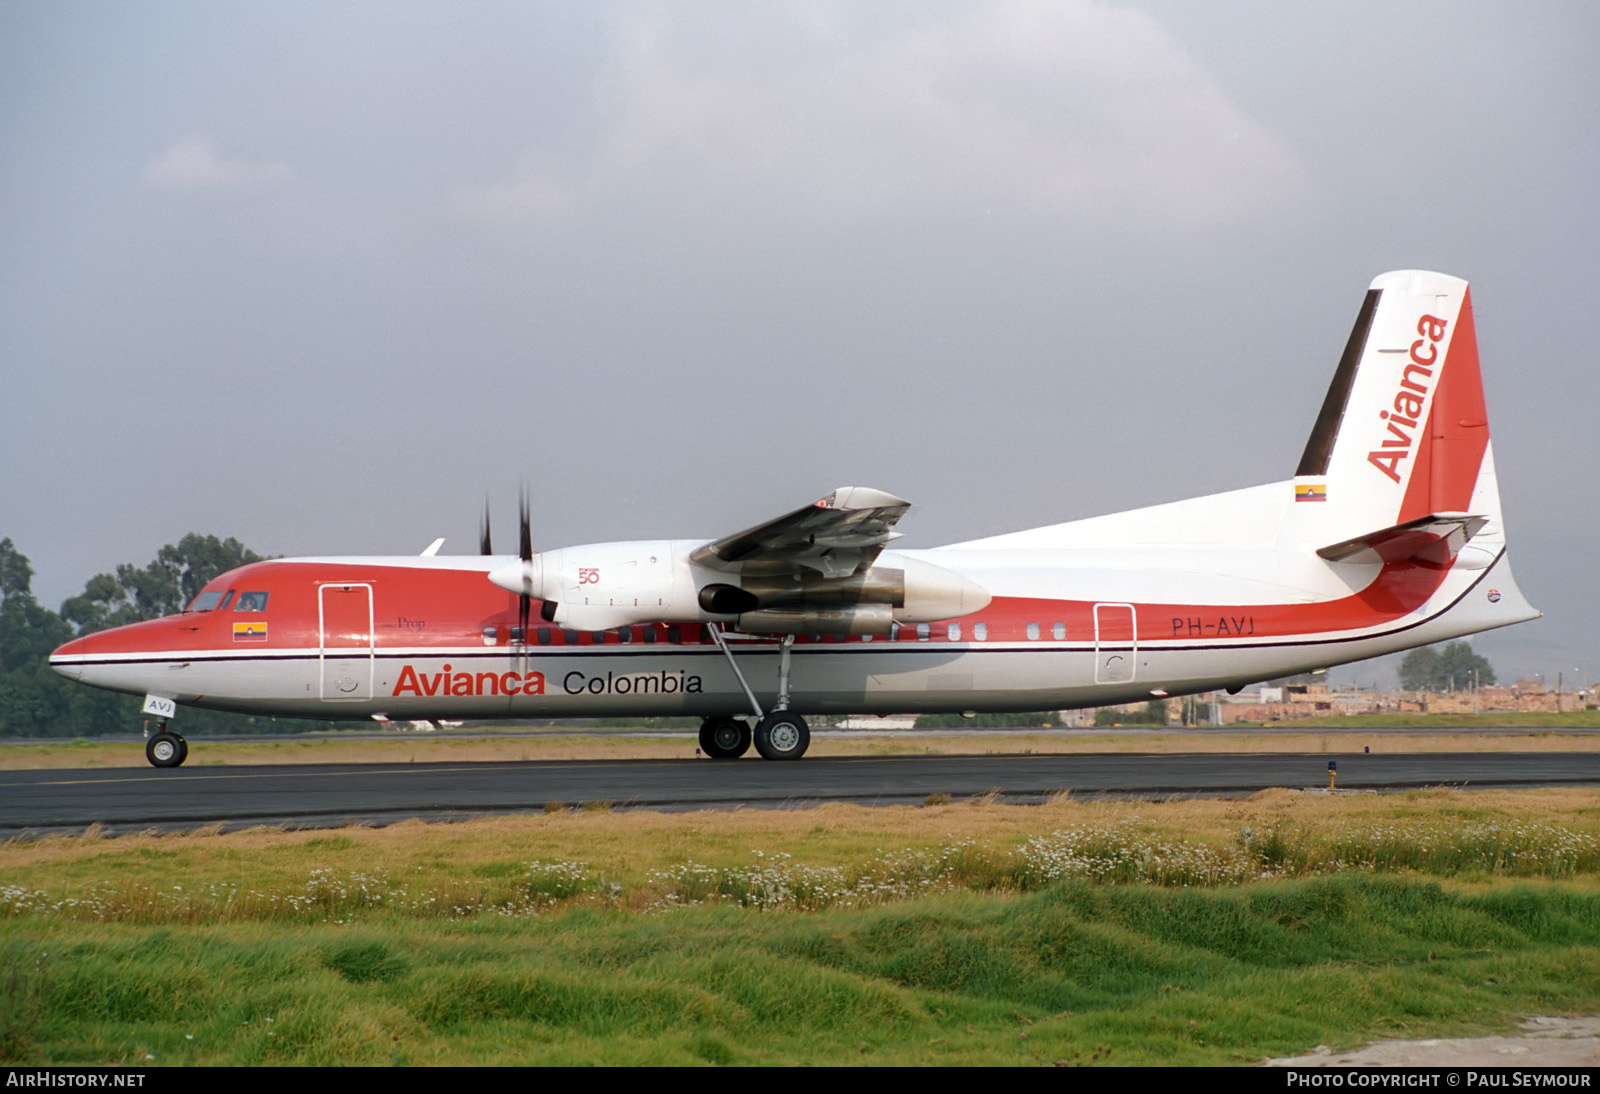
(345, 665)
(1116, 646)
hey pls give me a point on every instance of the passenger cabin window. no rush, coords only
(894, 632)
(650, 634)
(1033, 632)
(923, 632)
(1059, 630)
(625, 635)
(570, 637)
(543, 634)
(598, 638)
(490, 636)
(251, 602)
(674, 634)
(953, 632)
(980, 631)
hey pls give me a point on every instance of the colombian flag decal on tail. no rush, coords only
(1316, 491)
(250, 632)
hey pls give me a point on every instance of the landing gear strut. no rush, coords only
(165, 748)
(779, 734)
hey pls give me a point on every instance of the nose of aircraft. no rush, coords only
(66, 659)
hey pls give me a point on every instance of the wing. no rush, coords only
(836, 536)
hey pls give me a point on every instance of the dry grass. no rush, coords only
(629, 846)
(454, 747)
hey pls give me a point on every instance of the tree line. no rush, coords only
(36, 701)
(1454, 668)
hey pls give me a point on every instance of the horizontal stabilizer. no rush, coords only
(1435, 538)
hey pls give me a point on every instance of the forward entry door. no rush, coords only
(346, 660)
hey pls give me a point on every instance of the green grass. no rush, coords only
(1075, 971)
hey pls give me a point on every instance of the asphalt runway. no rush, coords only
(41, 802)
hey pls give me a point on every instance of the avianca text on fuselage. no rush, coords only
(411, 682)
(1410, 399)
(447, 682)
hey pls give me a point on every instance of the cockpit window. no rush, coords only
(205, 601)
(251, 602)
(225, 602)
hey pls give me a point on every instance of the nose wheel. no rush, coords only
(165, 748)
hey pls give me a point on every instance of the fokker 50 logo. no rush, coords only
(588, 575)
(1410, 399)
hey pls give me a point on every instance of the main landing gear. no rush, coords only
(165, 748)
(780, 734)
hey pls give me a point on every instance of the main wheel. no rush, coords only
(782, 736)
(165, 749)
(724, 738)
(183, 749)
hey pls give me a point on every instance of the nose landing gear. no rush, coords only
(165, 748)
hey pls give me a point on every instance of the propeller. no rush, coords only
(526, 554)
(485, 547)
(547, 610)
(523, 576)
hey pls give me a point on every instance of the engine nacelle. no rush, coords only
(914, 591)
(599, 586)
(934, 593)
(860, 619)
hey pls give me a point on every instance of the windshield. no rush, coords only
(205, 601)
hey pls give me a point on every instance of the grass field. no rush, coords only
(1076, 931)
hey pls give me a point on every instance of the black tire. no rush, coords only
(724, 738)
(183, 749)
(782, 736)
(165, 749)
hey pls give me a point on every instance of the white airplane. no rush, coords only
(1388, 536)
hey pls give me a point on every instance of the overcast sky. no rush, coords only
(323, 276)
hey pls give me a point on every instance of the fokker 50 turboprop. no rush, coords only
(1388, 536)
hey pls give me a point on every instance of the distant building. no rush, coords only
(881, 722)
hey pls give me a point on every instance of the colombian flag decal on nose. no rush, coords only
(250, 632)
(1315, 491)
